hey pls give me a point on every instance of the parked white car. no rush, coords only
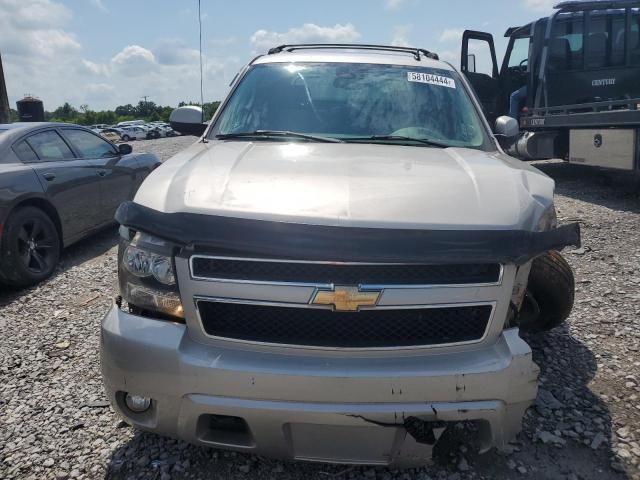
(152, 131)
(133, 133)
(165, 130)
(130, 123)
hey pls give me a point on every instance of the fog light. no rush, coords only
(137, 403)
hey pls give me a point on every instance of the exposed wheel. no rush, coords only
(126, 138)
(550, 294)
(30, 247)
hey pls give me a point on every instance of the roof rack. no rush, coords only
(416, 52)
(578, 6)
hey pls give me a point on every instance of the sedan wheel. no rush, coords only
(30, 247)
(126, 138)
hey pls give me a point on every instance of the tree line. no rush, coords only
(148, 111)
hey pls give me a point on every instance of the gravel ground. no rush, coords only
(56, 423)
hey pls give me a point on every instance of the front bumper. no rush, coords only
(316, 407)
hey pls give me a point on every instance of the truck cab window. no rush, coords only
(634, 37)
(606, 40)
(482, 60)
(520, 53)
(567, 44)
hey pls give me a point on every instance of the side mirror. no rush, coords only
(188, 121)
(471, 63)
(506, 131)
(507, 127)
(125, 149)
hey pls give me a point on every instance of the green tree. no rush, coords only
(165, 113)
(65, 113)
(208, 108)
(145, 109)
(127, 110)
(148, 111)
(107, 117)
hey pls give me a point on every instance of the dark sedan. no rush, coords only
(58, 184)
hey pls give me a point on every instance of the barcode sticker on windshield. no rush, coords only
(431, 79)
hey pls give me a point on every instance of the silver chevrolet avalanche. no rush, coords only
(339, 268)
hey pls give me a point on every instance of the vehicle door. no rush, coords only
(138, 133)
(117, 172)
(514, 73)
(480, 66)
(71, 184)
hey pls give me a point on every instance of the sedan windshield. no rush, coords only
(365, 103)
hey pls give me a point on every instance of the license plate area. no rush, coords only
(344, 444)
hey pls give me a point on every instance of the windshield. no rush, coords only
(354, 102)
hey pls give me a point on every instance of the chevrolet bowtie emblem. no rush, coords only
(346, 299)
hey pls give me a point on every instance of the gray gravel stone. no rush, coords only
(597, 441)
(548, 437)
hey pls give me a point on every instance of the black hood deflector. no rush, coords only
(231, 236)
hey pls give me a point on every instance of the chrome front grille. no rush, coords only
(289, 271)
(315, 327)
(284, 302)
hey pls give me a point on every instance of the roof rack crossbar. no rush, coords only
(416, 52)
(582, 5)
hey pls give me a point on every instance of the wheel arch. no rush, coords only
(47, 207)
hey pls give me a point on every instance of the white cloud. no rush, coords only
(540, 5)
(451, 35)
(33, 14)
(401, 36)
(175, 52)
(99, 5)
(102, 92)
(450, 56)
(307, 33)
(93, 68)
(31, 28)
(42, 56)
(134, 60)
(394, 4)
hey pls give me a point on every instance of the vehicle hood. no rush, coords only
(385, 186)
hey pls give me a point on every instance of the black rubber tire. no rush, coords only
(21, 266)
(552, 286)
(126, 138)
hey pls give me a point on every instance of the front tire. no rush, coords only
(551, 291)
(126, 138)
(30, 247)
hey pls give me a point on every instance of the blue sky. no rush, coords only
(104, 53)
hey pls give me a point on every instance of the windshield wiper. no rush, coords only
(277, 133)
(424, 141)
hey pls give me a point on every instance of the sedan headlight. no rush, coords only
(147, 275)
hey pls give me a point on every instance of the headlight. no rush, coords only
(147, 276)
(143, 263)
(548, 220)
